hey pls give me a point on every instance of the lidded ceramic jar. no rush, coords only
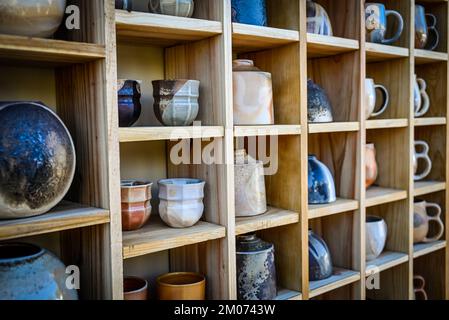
(320, 261)
(321, 185)
(250, 195)
(179, 8)
(318, 20)
(319, 108)
(129, 106)
(135, 202)
(253, 94)
(370, 165)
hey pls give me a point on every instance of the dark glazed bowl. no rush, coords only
(129, 106)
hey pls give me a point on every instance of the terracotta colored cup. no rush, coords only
(135, 288)
(181, 286)
(136, 206)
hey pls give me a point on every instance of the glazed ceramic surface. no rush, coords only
(256, 271)
(421, 220)
(37, 159)
(425, 31)
(31, 18)
(181, 286)
(176, 101)
(249, 12)
(181, 201)
(321, 186)
(135, 288)
(129, 106)
(424, 155)
(124, 4)
(180, 8)
(28, 272)
(320, 261)
(370, 98)
(420, 96)
(419, 288)
(376, 23)
(253, 94)
(376, 237)
(318, 21)
(319, 108)
(135, 202)
(371, 165)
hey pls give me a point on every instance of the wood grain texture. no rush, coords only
(319, 46)
(139, 134)
(274, 217)
(377, 195)
(386, 260)
(341, 205)
(266, 130)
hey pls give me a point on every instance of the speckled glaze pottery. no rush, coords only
(31, 18)
(181, 286)
(135, 201)
(129, 107)
(424, 155)
(124, 5)
(320, 261)
(319, 108)
(176, 101)
(318, 20)
(256, 271)
(249, 12)
(253, 94)
(321, 186)
(135, 288)
(37, 159)
(376, 23)
(180, 8)
(370, 165)
(376, 237)
(421, 220)
(419, 288)
(426, 34)
(28, 272)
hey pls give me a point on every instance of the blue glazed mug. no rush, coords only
(376, 23)
(249, 12)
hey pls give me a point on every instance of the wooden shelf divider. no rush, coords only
(274, 217)
(340, 278)
(136, 134)
(341, 205)
(421, 249)
(378, 195)
(319, 46)
(385, 261)
(426, 187)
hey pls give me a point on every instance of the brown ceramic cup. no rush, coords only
(136, 206)
(181, 286)
(135, 288)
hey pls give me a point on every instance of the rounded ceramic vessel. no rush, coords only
(376, 237)
(371, 98)
(370, 165)
(422, 219)
(319, 108)
(135, 202)
(135, 288)
(181, 286)
(423, 155)
(129, 106)
(318, 20)
(249, 12)
(180, 8)
(321, 186)
(320, 261)
(37, 159)
(28, 272)
(420, 97)
(31, 18)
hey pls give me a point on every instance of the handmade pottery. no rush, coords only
(256, 271)
(181, 201)
(28, 272)
(124, 5)
(424, 155)
(419, 286)
(135, 201)
(181, 286)
(318, 21)
(176, 101)
(180, 8)
(37, 159)
(250, 196)
(376, 237)
(135, 288)
(253, 94)
(320, 261)
(425, 31)
(129, 107)
(420, 96)
(249, 12)
(370, 98)
(376, 23)
(421, 220)
(370, 165)
(321, 186)
(319, 108)
(31, 18)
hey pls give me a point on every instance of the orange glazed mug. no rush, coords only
(181, 286)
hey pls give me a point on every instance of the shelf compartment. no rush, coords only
(426, 187)
(341, 205)
(66, 215)
(334, 127)
(386, 123)
(268, 130)
(380, 52)
(422, 249)
(430, 121)
(386, 260)
(157, 236)
(340, 278)
(379, 195)
(319, 46)
(274, 217)
(426, 56)
(138, 134)
(285, 294)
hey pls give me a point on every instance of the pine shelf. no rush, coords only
(340, 278)
(138, 134)
(386, 123)
(386, 260)
(274, 217)
(341, 205)
(268, 130)
(285, 294)
(378, 195)
(426, 56)
(426, 187)
(333, 127)
(379, 52)
(430, 121)
(422, 249)
(319, 46)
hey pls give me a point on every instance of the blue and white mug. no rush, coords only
(376, 23)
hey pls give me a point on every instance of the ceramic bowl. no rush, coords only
(135, 288)
(135, 215)
(376, 237)
(181, 286)
(135, 190)
(180, 8)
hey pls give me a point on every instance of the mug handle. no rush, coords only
(437, 218)
(386, 100)
(400, 28)
(423, 155)
(426, 100)
(433, 27)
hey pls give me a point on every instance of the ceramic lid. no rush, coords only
(250, 243)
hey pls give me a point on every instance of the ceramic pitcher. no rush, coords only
(376, 237)
(319, 108)
(420, 96)
(419, 285)
(424, 155)
(371, 165)
(376, 23)
(426, 34)
(421, 220)
(318, 21)
(370, 98)
(252, 12)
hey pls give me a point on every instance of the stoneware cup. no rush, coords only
(422, 219)
(420, 97)
(135, 288)
(424, 155)
(136, 206)
(372, 170)
(181, 286)
(370, 98)
(376, 23)
(426, 33)
(419, 285)
(376, 237)
(129, 106)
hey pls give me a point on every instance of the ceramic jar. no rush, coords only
(124, 5)
(320, 261)
(376, 237)
(319, 108)
(425, 31)
(419, 288)
(256, 271)
(136, 205)
(421, 220)
(181, 201)
(370, 98)
(424, 155)
(249, 12)
(129, 107)
(135, 288)
(420, 96)
(28, 272)
(253, 94)
(318, 21)
(180, 8)
(376, 23)
(370, 165)
(37, 159)
(321, 186)
(31, 18)
(250, 195)
(176, 101)
(181, 286)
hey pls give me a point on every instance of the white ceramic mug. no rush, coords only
(376, 237)
(424, 154)
(421, 98)
(370, 98)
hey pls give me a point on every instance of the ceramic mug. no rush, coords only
(419, 284)
(181, 286)
(420, 96)
(376, 237)
(423, 29)
(376, 23)
(135, 288)
(370, 98)
(424, 154)
(421, 220)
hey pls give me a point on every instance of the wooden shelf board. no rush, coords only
(319, 46)
(285, 294)
(136, 134)
(426, 56)
(341, 205)
(430, 121)
(340, 278)
(386, 260)
(274, 217)
(268, 130)
(386, 123)
(333, 127)
(379, 195)
(66, 215)
(422, 249)
(426, 187)
(157, 236)
(379, 52)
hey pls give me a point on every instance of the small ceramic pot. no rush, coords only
(135, 288)
(370, 98)
(424, 155)
(318, 21)
(136, 206)
(421, 220)
(129, 106)
(180, 8)
(419, 288)
(425, 31)
(320, 261)
(176, 101)
(181, 201)
(249, 12)
(370, 165)
(321, 186)
(376, 23)
(376, 237)
(124, 5)
(319, 108)
(420, 97)
(181, 286)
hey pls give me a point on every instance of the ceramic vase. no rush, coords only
(181, 201)
(253, 94)
(135, 288)
(28, 272)
(129, 106)
(249, 12)
(181, 286)
(426, 34)
(320, 261)
(180, 8)
(256, 271)
(422, 219)
(319, 108)
(321, 186)
(176, 101)
(376, 23)
(136, 205)
(376, 237)
(370, 98)
(420, 96)
(424, 155)
(419, 288)
(318, 20)
(124, 5)
(370, 165)
(37, 159)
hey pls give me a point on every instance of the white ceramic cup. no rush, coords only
(370, 98)
(421, 98)
(376, 237)
(424, 155)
